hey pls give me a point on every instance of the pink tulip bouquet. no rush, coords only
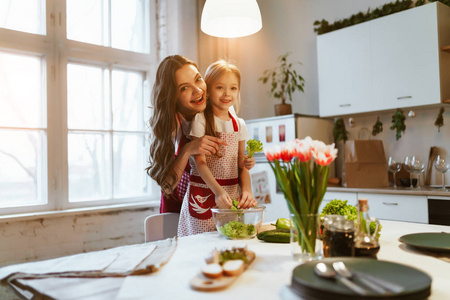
(301, 168)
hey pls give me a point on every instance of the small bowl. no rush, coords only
(406, 182)
(238, 224)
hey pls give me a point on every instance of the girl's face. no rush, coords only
(191, 91)
(223, 93)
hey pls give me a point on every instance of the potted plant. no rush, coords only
(284, 81)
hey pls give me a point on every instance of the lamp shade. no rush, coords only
(231, 18)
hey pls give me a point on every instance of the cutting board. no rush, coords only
(202, 283)
(266, 227)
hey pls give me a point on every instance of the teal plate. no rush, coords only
(307, 284)
(431, 241)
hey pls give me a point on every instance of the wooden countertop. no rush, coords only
(424, 191)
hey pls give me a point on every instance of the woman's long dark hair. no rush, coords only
(163, 121)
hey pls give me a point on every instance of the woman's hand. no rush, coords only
(246, 200)
(223, 200)
(206, 145)
(249, 162)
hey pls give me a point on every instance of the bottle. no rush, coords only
(366, 243)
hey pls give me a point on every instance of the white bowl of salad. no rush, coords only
(238, 223)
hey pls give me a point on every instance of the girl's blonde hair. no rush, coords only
(213, 73)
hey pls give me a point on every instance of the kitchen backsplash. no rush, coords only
(420, 134)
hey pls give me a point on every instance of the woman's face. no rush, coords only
(223, 93)
(191, 91)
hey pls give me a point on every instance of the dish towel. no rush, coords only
(93, 275)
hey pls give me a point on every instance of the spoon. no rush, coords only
(375, 283)
(321, 269)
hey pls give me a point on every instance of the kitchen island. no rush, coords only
(270, 273)
(267, 277)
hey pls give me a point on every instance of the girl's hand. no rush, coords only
(249, 162)
(223, 201)
(206, 145)
(246, 200)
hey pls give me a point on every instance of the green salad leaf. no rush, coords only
(340, 207)
(253, 146)
(235, 204)
(237, 230)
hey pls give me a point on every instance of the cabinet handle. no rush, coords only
(404, 97)
(390, 203)
(345, 105)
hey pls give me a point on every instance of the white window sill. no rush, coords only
(78, 211)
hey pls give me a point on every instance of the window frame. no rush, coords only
(57, 51)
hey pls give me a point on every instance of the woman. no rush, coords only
(178, 94)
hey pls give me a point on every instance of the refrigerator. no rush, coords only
(277, 131)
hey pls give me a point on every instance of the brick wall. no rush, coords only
(50, 237)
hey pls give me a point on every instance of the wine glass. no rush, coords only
(408, 168)
(394, 167)
(442, 164)
(417, 166)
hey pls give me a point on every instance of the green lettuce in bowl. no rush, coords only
(340, 207)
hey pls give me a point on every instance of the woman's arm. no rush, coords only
(206, 145)
(246, 199)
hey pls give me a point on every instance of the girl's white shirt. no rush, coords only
(199, 122)
(186, 128)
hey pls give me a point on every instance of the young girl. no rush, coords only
(215, 179)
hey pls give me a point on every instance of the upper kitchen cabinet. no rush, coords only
(391, 62)
(344, 70)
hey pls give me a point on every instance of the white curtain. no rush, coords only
(178, 23)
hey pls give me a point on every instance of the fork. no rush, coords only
(342, 270)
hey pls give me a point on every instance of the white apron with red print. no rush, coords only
(196, 215)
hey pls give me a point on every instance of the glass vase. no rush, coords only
(306, 243)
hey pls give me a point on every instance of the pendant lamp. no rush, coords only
(231, 18)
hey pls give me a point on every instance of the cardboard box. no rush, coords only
(365, 164)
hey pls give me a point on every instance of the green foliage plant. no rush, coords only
(378, 127)
(440, 119)
(284, 79)
(339, 131)
(398, 123)
(323, 26)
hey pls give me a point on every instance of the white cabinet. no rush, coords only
(352, 198)
(405, 59)
(397, 207)
(344, 70)
(387, 63)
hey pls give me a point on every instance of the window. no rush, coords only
(74, 99)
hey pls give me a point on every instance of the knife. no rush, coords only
(370, 280)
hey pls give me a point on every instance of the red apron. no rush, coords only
(196, 217)
(173, 202)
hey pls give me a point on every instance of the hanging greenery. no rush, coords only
(378, 127)
(440, 119)
(323, 26)
(398, 123)
(339, 132)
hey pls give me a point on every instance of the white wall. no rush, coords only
(48, 237)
